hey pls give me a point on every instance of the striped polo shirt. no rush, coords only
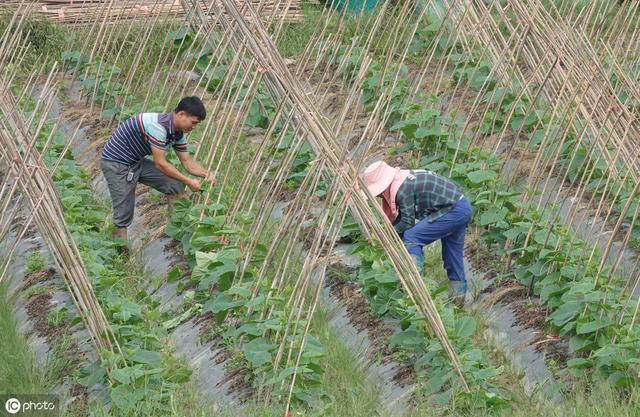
(132, 140)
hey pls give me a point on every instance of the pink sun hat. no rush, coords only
(378, 177)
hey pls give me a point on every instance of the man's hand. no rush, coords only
(210, 178)
(194, 185)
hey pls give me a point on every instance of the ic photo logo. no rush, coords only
(12, 405)
(29, 405)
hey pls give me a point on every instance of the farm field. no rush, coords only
(281, 288)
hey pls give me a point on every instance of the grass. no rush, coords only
(44, 36)
(344, 381)
(20, 373)
(37, 290)
(35, 262)
(598, 401)
(58, 317)
(295, 36)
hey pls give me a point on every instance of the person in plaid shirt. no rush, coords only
(424, 207)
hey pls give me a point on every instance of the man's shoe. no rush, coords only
(123, 250)
(458, 292)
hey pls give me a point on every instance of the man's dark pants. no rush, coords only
(122, 180)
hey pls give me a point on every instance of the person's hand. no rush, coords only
(194, 185)
(210, 178)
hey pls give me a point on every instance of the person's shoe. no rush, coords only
(123, 250)
(458, 292)
(419, 263)
(121, 242)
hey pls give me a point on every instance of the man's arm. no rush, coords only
(169, 170)
(405, 201)
(193, 167)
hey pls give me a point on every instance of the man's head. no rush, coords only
(188, 112)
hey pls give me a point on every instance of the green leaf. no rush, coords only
(493, 215)
(579, 344)
(239, 291)
(216, 206)
(125, 397)
(487, 373)
(257, 302)
(212, 267)
(565, 313)
(607, 354)
(303, 396)
(387, 277)
(620, 380)
(251, 329)
(437, 380)
(465, 327)
(480, 176)
(127, 375)
(174, 274)
(179, 375)
(408, 127)
(592, 326)
(108, 281)
(302, 371)
(407, 338)
(146, 357)
(536, 137)
(545, 237)
(513, 233)
(175, 321)
(258, 351)
(312, 348)
(424, 360)
(92, 374)
(215, 274)
(538, 269)
(550, 290)
(579, 363)
(222, 303)
(425, 132)
(125, 309)
(111, 112)
(255, 117)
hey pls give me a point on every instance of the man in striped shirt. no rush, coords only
(124, 162)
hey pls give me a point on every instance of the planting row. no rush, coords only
(587, 304)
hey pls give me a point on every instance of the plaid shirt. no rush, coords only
(424, 194)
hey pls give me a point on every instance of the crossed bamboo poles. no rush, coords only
(248, 62)
(25, 174)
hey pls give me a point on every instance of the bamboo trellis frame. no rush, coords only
(86, 12)
(518, 40)
(26, 169)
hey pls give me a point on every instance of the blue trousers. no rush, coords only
(450, 229)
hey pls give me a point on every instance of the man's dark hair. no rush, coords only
(193, 106)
